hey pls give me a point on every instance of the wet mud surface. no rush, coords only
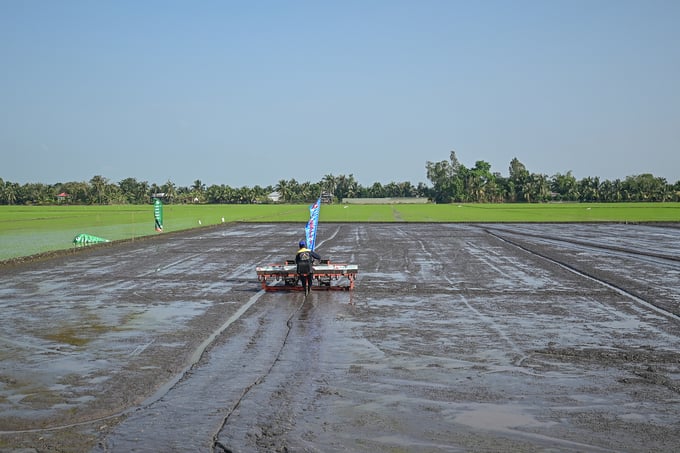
(457, 338)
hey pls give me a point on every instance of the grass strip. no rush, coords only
(29, 230)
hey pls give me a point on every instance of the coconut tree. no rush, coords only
(565, 186)
(9, 192)
(328, 184)
(589, 188)
(98, 189)
(282, 187)
(170, 190)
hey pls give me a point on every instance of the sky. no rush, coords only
(253, 92)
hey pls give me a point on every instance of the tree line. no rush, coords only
(451, 182)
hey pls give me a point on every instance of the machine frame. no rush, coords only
(325, 273)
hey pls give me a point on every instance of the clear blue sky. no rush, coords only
(249, 93)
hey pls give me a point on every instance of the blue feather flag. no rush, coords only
(312, 224)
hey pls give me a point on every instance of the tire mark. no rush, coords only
(169, 265)
(521, 354)
(590, 277)
(611, 248)
(217, 446)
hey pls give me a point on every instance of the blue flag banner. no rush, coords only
(310, 229)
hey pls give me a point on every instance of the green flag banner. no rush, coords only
(158, 214)
(83, 238)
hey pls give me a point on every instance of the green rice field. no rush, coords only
(29, 230)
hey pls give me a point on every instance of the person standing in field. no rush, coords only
(304, 258)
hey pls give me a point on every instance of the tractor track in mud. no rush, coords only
(217, 446)
(662, 258)
(637, 297)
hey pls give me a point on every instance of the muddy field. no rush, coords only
(457, 338)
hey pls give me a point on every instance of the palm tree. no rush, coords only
(565, 186)
(98, 184)
(245, 195)
(282, 188)
(170, 190)
(347, 186)
(376, 191)
(328, 183)
(9, 192)
(589, 189)
(198, 186)
(214, 194)
(260, 193)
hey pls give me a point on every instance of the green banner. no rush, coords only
(158, 214)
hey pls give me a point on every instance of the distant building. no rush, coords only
(160, 196)
(326, 197)
(386, 200)
(274, 196)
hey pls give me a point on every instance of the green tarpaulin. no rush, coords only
(83, 238)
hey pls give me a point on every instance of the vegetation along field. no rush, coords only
(30, 230)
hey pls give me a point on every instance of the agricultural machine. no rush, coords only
(327, 276)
